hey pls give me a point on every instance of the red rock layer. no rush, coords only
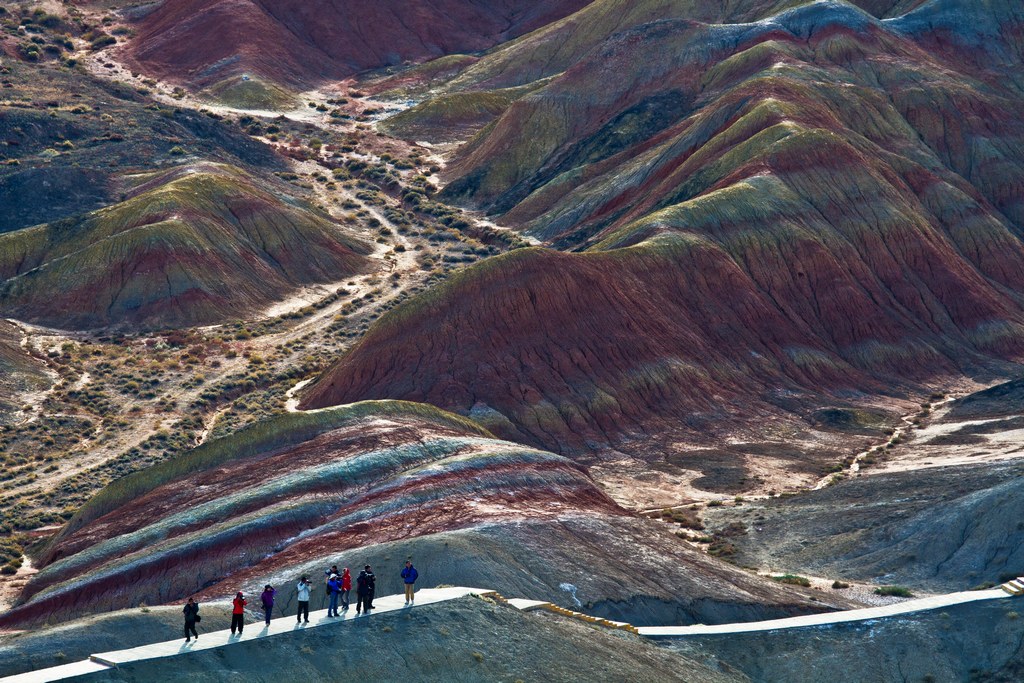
(578, 352)
(297, 493)
(362, 474)
(302, 41)
(810, 203)
(196, 246)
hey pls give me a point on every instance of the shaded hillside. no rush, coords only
(205, 41)
(1000, 401)
(198, 245)
(469, 639)
(35, 649)
(978, 641)
(67, 139)
(374, 482)
(943, 529)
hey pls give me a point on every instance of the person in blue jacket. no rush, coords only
(409, 575)
(334, 588)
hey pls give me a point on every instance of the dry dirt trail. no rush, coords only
(33, 342)
(103, 64)
(908, 426)
(854, 468)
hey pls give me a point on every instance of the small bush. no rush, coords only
(793, 580)
(102, 42)
(839, 585)
(684, 518)
(894, 591)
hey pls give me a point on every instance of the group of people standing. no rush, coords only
(337, 585)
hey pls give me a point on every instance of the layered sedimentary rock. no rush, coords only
(796, 102)
(297, 493)
(205, 41)
(818, 201)
(68, 139)
(581, 351)
(196, 245)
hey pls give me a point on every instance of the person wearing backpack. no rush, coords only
(334, 586)
(303, 596)
(365, 587)
(409, 576)
(191, 612)
(327, 577)
(267, 598)
(346, 588)
(238, 613)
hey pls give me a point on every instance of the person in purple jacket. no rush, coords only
(267, 598)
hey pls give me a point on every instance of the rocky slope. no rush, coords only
(196, 245)
(736, 112)
(815, 202)
(76, 640)
(560, 45)
(379, 482)
(653, 349)
(1003, 400)
(943, 529)
(68, 140)
(465, 640)
(567, 350)
(206, 41)
(981, 641)
(19, 371)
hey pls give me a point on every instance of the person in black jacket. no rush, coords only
(365, 587)
(191, 612)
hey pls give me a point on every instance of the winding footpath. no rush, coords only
(396, 603)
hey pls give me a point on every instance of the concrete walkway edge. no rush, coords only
(827, 618)
(395, 603)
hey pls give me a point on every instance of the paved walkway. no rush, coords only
(395, 603)
(252, 631)
(827, 618)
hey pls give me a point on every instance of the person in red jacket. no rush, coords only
(346, 586)
(238, 613)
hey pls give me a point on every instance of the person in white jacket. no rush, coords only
(303, 590)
